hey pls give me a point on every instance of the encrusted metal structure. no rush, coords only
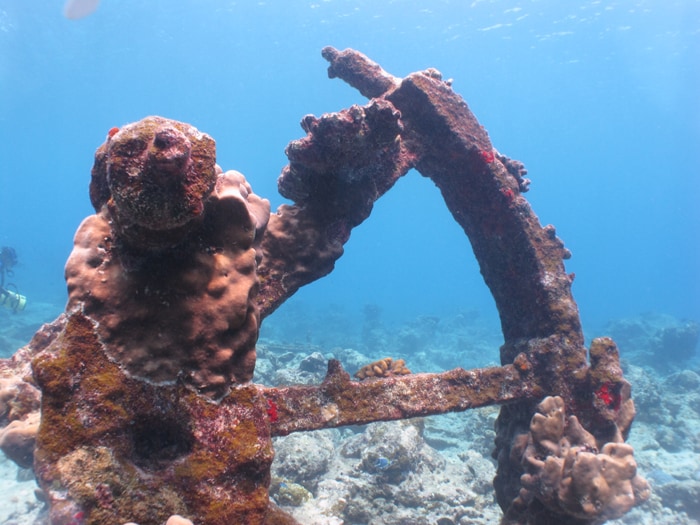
(147, 409)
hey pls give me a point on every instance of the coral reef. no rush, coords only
(462, 440)
(660, 341)
(668, 406)
(302, 457)
(387, 473)
(682, 495)
(678, 343)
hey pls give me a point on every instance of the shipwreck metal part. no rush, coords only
(340, 401)
(521, 262)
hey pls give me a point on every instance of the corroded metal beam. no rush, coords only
(340, 401)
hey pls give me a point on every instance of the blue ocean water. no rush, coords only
(597, 98)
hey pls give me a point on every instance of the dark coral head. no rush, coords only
(156, 173)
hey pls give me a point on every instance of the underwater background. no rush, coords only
(599, 99)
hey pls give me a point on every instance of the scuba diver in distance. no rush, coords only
(8, 298)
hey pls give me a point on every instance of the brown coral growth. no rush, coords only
(166, 267)
(386, 367)
(567, 473)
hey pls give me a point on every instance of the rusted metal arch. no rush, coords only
(420, 122)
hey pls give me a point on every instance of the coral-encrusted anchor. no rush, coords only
(169, 280)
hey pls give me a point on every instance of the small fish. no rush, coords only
(381, 463)
(76, 9)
